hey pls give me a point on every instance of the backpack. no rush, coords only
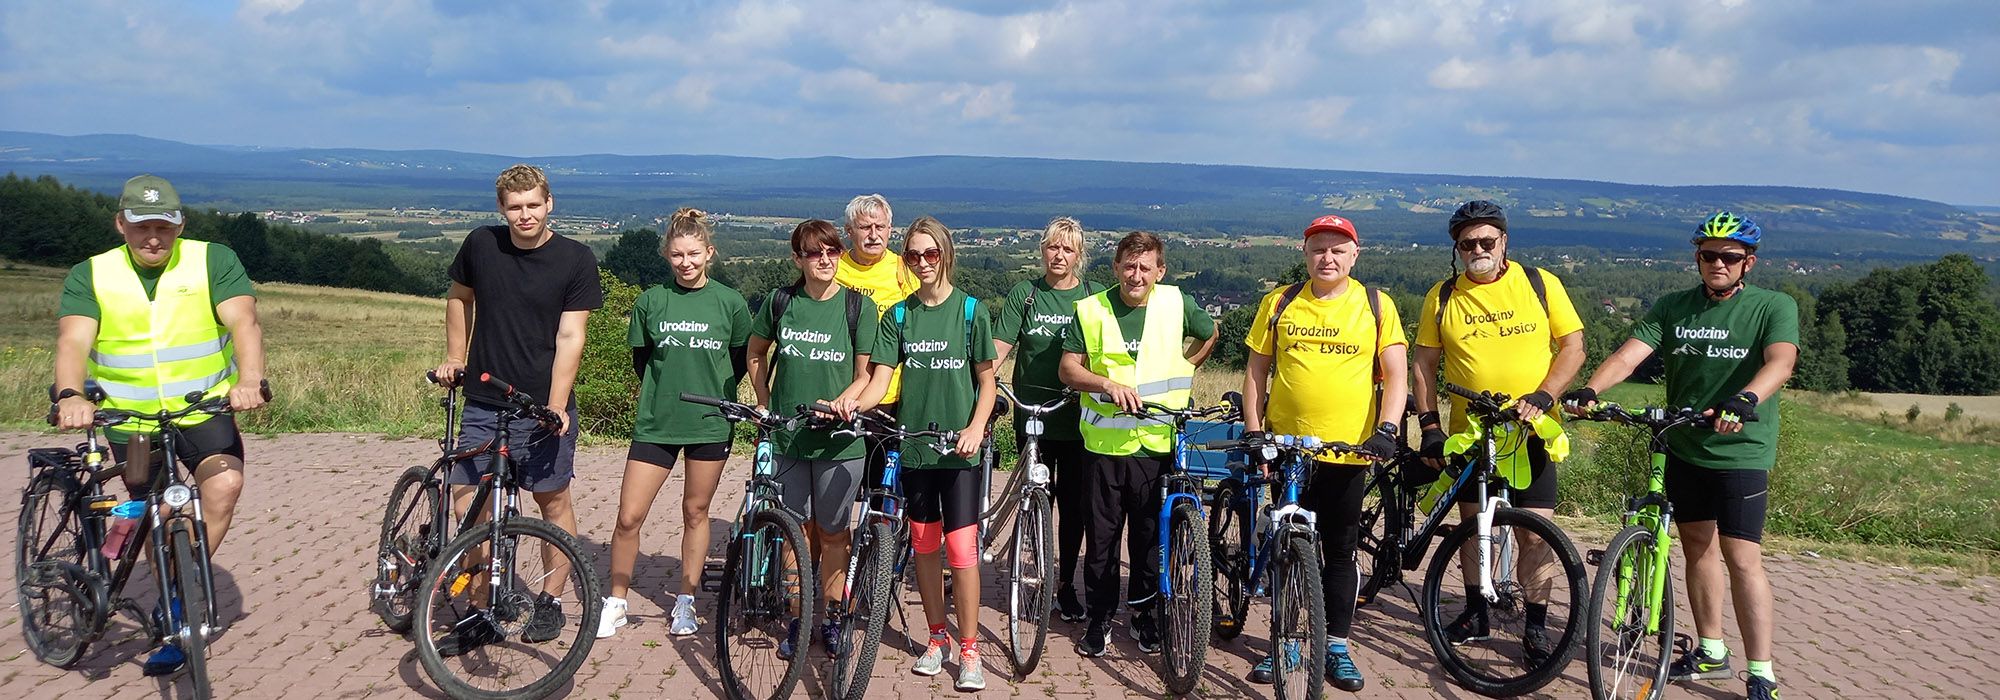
(1450, 283)
(1292, 292)
(782, 298)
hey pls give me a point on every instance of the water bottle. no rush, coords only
(124, 519)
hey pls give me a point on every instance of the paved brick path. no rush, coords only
(293, 583)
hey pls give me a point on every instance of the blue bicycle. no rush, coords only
(1185, 567)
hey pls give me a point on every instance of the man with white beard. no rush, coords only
(1501, 327)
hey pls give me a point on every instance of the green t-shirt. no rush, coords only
(812, 360)
(1712, 350)
(1037, 337)
(938, 385)
(1195, 323)
(691, 332)
(226, 280)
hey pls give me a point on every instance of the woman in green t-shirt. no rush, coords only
(688, 336)
(1031, 323)
(943, 341)
(810, 343)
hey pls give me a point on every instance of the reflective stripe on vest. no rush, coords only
(150, 353)
(1160, 374)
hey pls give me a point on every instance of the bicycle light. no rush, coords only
(1268, 452)
(177, 495)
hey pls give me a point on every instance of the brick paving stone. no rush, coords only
(294, 573)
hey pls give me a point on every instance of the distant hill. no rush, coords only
(1018, 192)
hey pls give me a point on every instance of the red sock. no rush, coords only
(937, 632)
(968, 646)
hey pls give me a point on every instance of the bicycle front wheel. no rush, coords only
(58, 610)
(193, 594)
(1228, 527)
(1030, 571)
(508, 615)
(1298, 621)
(1520, 640)
(408, 542)
(1627, 660)
(764, 617)
(866, 614)
(1189, 571)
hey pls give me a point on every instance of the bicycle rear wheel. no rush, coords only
(407, 544)
(1227, 528)
(866, 614)
(1625, 660)
(525, 639)
(195, 624)
(767, 600)
(1507, 659)
(58, 608)
(1031, 571)
(1379, 554)
(1298, 621)
(1190, 571)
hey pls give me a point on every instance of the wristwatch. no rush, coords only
(1389, 428)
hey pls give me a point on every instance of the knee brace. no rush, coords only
(962, 547)
(925, 538)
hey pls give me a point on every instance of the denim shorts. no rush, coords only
(543, 461)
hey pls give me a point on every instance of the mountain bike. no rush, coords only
(1394, 540)
(1186, 588)
(1275, 550)
(66, 584)
(767, 594)
(483, 598)
(1029, 569)
(416, 523)
(1631, 605)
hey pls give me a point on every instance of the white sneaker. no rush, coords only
(612, 618)
(684, 622)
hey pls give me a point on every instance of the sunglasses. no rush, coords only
(1709, 257)
(1486, 244)
(821, 254)
(932, 256)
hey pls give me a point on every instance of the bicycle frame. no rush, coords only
(1175, 488)
(1653, 512)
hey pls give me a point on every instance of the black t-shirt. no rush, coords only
(519, 298)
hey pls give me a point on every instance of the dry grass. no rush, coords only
(1976, 419)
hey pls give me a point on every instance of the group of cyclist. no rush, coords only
(866, 328)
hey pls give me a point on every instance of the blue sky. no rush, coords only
(1874, 96)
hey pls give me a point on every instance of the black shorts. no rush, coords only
(1736, 500)
(947, 495)
(216, 436)
(1541, 491)
(663, 456)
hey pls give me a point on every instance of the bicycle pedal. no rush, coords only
(1594, 557)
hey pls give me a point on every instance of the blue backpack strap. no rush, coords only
(971, 307)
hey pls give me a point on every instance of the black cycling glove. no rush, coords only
(1580, 396)
(1383, 443)
(1738, 408)
(1539, 399)
(1432, 446)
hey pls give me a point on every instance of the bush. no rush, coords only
(606, 391)
(1913, 413)
(1953, 412)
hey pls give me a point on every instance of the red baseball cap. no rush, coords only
(1334, 224)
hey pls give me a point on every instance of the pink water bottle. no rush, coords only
(124, 519)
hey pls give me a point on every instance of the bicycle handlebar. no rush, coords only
(1037, 409)
(198, 402)
(1657, 418)
(1300, 444)
(1484, 404)
(520, 400)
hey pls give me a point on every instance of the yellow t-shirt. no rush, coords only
(1323, 378)
(885, 282)
(1496, 336)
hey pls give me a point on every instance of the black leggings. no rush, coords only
(1334, 493)
(948, 495)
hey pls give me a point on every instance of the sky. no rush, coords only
(1891, 97)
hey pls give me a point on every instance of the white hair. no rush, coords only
(868, 203)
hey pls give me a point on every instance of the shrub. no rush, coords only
(606, 391)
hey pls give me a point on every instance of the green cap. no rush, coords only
(150, 197)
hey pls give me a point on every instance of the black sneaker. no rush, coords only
(1068, 606)
(1095, 638)
(1469, 627)
(471, 633)
(1759, 688)
(1695, 665)
(547, 622)
(1535, 646)
(1146, 631)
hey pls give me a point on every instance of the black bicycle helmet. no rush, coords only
(1476, 212)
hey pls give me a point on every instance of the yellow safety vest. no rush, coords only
(150, 353)
(1161, 374)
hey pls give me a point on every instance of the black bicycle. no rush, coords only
(68, 584)
(416, 524)
(489, 604)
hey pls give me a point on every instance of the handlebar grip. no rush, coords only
(488, 379)
(1223, 445)
(1463, 392)
(710, 401)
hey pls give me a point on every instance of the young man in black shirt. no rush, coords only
(530, 292)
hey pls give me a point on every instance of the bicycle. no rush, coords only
(1281, 552)
(767, 595)
(1638, 589)
(416, 522)
(61, 570)
(1392, 541)
(1029, 545)
(879, 557)
(482, 595)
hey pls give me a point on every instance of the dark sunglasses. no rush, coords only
(821, 254)
(932, 256)
(1709, 257)
(1486, 244)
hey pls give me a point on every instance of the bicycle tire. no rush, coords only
(1378, 554)
(1030, 558)
(446, 574)
(868, 613)
(741, 597)
(1635, 575)
(1295, 586)
(40, 584)
(406, 546)
(45, 604)
(189, 565)
(1186, 634)
(1231, 565)
(1464, 671)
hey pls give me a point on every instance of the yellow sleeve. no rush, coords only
(1427, 326)
(1562, 312)
(1259, 338)
(1391, 331)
